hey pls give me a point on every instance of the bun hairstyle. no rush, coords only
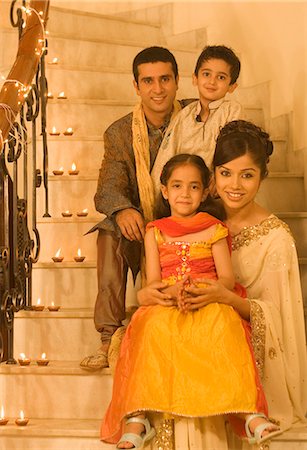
(239, 137)
(210, 205)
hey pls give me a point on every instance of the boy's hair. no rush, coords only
(220, 52)
(152, 55)
(209, 205)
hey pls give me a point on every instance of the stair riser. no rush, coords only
(69, 237)
(68, 195)
(278, 160)
(102, 85)
(70, 288)
(282, 194)
(104, 28)
(52, 443)
(57, 396)
(96, 117)
(87, 155)
(104, 54)
(67, 339)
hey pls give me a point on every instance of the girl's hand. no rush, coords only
(153, 294)
(194, 297)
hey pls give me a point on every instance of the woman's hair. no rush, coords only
(182, 159)
(239, 137)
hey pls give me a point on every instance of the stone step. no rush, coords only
(107, 54)
(69, 236)
(61, 390)
(85, 152)
(53, 434)
(97, 115)
(103, 84)
(282, 192)
(90, 26)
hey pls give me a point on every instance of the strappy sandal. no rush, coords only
(138, 440)
(256, 437)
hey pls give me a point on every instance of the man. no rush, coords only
(125, 191)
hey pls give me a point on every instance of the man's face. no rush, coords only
(157, 88)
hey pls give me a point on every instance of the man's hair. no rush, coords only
(152, 55)
(220, 52)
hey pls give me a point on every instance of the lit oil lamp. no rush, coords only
(54, 61)
(83, 213)
(62, 96)
(21, 421)
(43, 361)
(54, 132)
(79, 257)
(38, 306)
(3, 419)
(66, 213)
(23, 360)
(73, 170)
(57, 257)
(53, 307)
(68, 132)
(59, 171)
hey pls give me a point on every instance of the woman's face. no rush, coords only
(237, 182)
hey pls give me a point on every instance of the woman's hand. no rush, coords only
(193, 297)
(153, 294)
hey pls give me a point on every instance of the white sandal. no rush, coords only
(138, 440)
(256, 437)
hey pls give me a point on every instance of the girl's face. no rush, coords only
(184, 191)
(237, 182)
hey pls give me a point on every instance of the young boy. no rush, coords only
(196, 127)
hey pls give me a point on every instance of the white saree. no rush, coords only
(265, 262)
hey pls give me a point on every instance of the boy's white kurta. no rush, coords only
(265, 262)
(187, 134)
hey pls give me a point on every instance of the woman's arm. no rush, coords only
(222, 262)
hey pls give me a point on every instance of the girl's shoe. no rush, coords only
(256, 437)
(138, 440)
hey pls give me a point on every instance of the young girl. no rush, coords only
(179, 362)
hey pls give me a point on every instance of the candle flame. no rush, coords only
(73, 166)
(85, 210)
(53, 129)
(69, 130)
(52, 303)
(58, 253)
(2, 412)
(38, 301)
(55, 60)
(61, 94)
(43, 355)
(79, 252)
(22, 415)
(67, 211)
(22, 356)
(61, 168)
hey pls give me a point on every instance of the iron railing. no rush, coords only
(23, 100)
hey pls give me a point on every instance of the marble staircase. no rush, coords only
(65, 404)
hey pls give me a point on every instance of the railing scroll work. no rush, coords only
(23, 99)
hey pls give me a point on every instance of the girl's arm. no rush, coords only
(222, 261)
(152, 257)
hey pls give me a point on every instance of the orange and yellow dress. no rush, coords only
(194, 364)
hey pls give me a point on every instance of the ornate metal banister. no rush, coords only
(19, 97)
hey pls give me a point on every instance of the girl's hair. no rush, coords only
(239, 137)
(182, 159)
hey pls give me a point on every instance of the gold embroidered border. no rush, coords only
(257, 321)
(164, 439)
(253, 233)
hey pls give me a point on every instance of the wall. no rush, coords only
(271, 38)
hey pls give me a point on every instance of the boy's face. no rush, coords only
(157, 88)
(213, 80)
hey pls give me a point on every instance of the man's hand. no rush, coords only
(131, 224)
(153, 294)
